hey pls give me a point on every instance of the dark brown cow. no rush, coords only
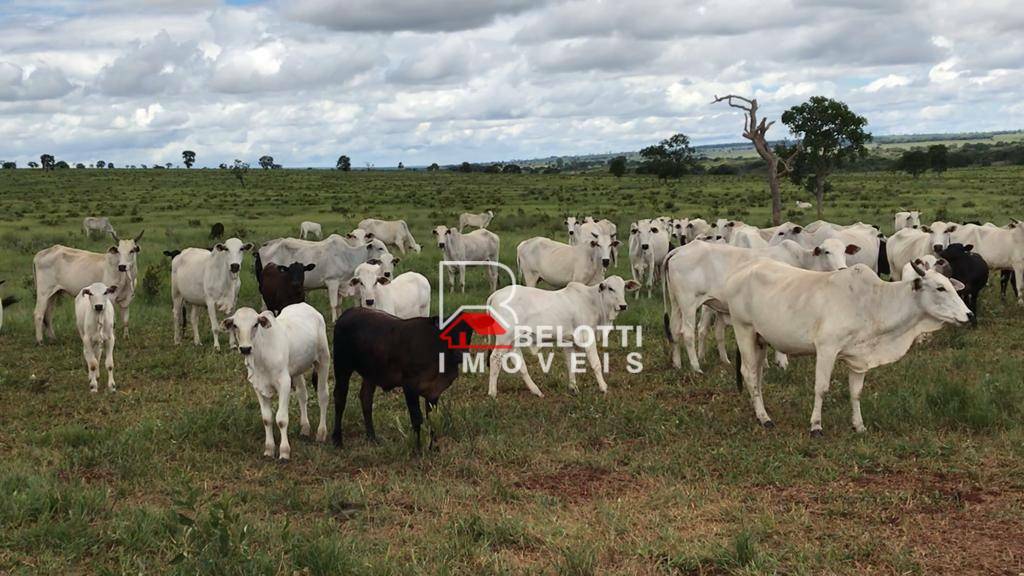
(281, 285)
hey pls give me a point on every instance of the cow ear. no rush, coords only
(396, 260)
(447, 232)
(601, 287)
(951, 228)
(434, 232)
(654, 230)
(615, 242)
(927, 229)
(350, 236)
(247, 246)
(632, 285)
(86, 291)
(383, 280)
(957, 285)
(354, 281)
(797, 229)
(917, 283)
(817, 250)
(220, 248)
(228, 323)
(373, 262)
(112, 250)
(263, 320)
(593, 243)
(969, 247)
(2, 281)
(852, 248)
(111, 289)
(137, 249)
(310, 267)
(370, 236)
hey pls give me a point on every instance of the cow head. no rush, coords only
(365, 280)
(296, 273)
(245, 324)
(375, 249)
(831, 254)
(387, 263)
(937, 296)
(601, 245)
(612, 293)
(787, 231)
(572, 226)
(443, 235)
(230, 252)
(97, 294)
(647, 231)
(123, 255)
(940, 234)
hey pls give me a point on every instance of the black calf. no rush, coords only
(971, 270)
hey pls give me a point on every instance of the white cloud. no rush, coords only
(886, 82)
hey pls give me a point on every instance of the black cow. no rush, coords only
(217, 231)
(390, 352)
(279, 285)
(970, 269)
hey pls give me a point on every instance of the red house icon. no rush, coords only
(457, 333)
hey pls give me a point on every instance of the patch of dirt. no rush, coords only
(576, 483)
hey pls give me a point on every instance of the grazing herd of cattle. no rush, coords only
(800, 290)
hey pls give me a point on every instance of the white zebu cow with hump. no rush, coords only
(911, 243)
(573, 311)
(96, 224)
(558, 264)
(63, 270)
(905, 219)
(864, 236)
(605, 226)
(335, 260)
(207, 278)
(94, 316)
(307, 229)
(407, 296)
(648, 244)
(695, 274)
(477, 246)
(392, 232)
(481, 220)
(278, 352)
(1002, 248)
(849, 315)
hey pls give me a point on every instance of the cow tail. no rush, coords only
(665, 298)
(257, 264)
(739, 370)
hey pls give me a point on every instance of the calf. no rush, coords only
(279, 285)
(482, 220)
(91, 224)
(391, 232)
(63, 270)
(558, 264)
(478, 245)
(307, 229)
(278, 351)
(906, 220)
(207, 278)
(803, 205)
(216, 231)
(94, 315)
(407, 296)
(648, 245)
(390, 353)
(538, 312)
(849, 314)
(926, 262)
(971, 270)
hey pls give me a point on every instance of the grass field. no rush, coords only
(668, 473)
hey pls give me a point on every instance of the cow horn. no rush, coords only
(139, 237)
(917, 268)
(114, 236)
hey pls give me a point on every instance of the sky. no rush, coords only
(388, 81)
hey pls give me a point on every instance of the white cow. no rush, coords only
(1002, 248)
(801, 205)
(207, 278)
(391, 232)
(907, 220)
(850, 315)
(572, 227)
(335, 260)
(479, 245)
(648, 244)
(695, 273)
(100, 224)
(358, 237)
(482, 220)
(693, 228)
(63, 270)
(278, 352)
(407, 296)
(573, 311)
(387, 262)
(911, 243)
(862, 235)
(926, 262)
(307, 229)
(605, 226)
(558, 264)
(94, 315)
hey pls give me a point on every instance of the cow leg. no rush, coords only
(322, 399)
(823, 366)
(650, 280)
(856, 385)
(110, 363)
(723, 354)
(39, 316)
(366, 399)
(525, 373)
(687, 330)
(302, 395)
(125, 312)
(92, 364)
(494, 369)
(462, 279)
(595, 365)
(341, 380)
(51, 305)
(193, 312)
(429, 407)
(637, 276)
(284, 388)
(569, 355)
(782, 360)
(1018, 272)
(751, 369)
(267, 414)
(412, 402)
(492, 276)
(211, 309)
(177, 310)
(1004, 279)
(333, 287)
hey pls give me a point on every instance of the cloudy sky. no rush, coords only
(137, 81)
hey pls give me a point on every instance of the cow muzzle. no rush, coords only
(645, 246)
(622, 307)
(937, 248)
(387, 274)
(571, 233)
(235, 268)
(370, 302)
(122, 267)
(245, 350)
(440, 245)
(98, 307)
(605, 262)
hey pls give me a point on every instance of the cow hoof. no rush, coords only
(283, 461)
(336, 441)
(817, 433)
(768, 424)
(860, 430)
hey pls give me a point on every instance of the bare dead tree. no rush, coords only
(755, 132)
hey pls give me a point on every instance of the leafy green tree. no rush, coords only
(266, 161)
(79, 166)
(465, 167)
(46, 161)
(101, 164)
(33, 165)
(913, 162)
(188, 157)
(830, 135)
(617, 166)
(433, 167)
(344, 163)
(670, 158)
(938, 158)
(10, 165)
(62, 165)
(511, 169)
(239, 169)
